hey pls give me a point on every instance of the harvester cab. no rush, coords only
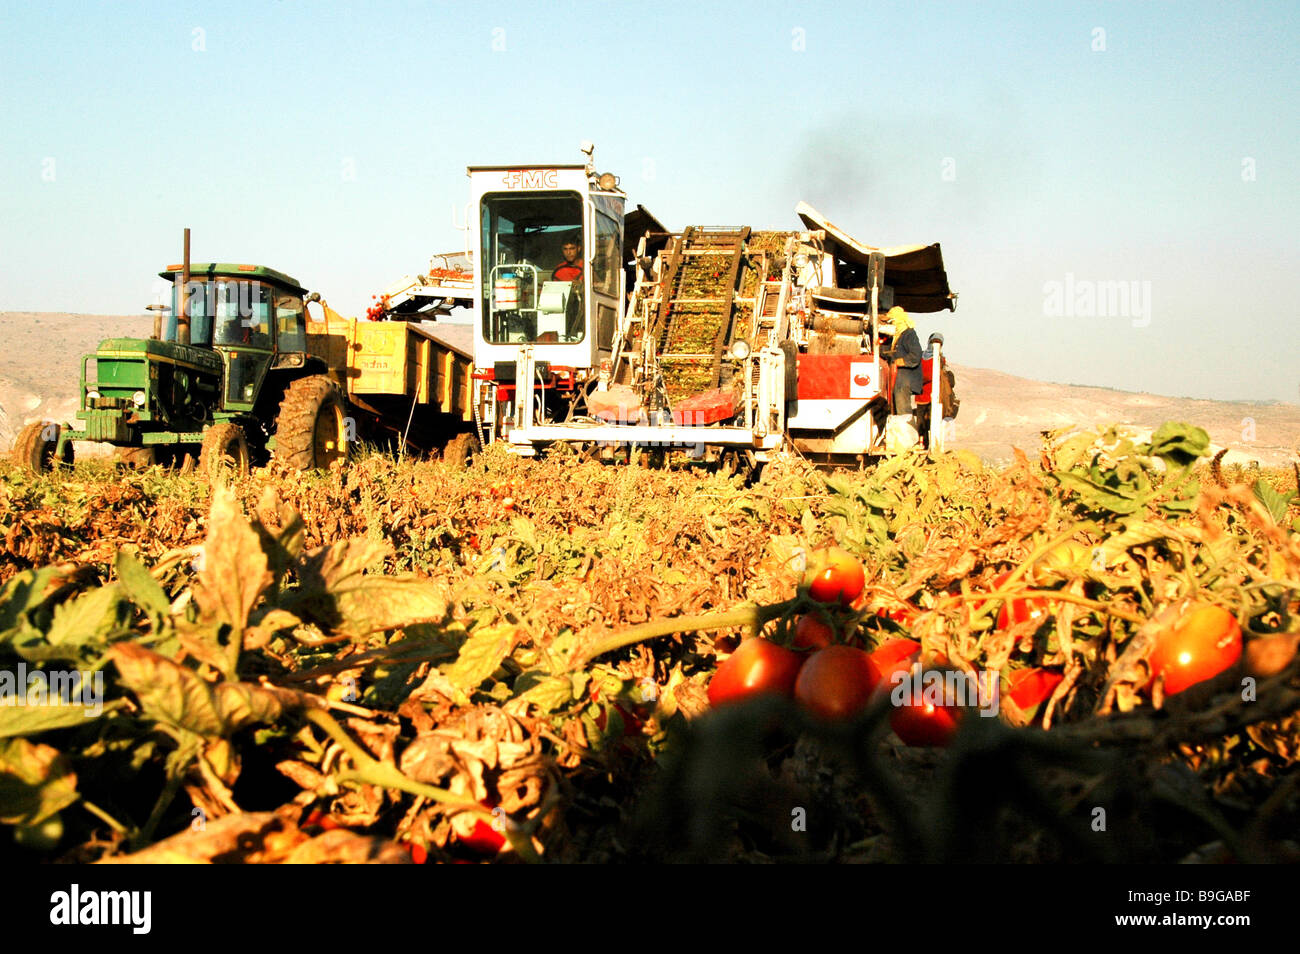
(563, 314)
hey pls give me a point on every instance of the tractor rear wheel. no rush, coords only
(311, 430)
(35, 446)
(461, 449)
(224, 448)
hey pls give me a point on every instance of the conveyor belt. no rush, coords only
(693, 319)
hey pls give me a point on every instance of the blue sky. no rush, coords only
(1152, 143)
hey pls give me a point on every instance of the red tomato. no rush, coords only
(1018, 611)
(836, 682)
(484, 839)
(1204, 642)
(1031, 687)
(891, 656)
(923, 723)
(813, 632)
(837, 577)
(757, 666)
(419, 854)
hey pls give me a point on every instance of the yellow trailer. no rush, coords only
(411, 381)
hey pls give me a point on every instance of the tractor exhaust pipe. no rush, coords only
(182, 316)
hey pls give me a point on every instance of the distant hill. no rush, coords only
(41, 360)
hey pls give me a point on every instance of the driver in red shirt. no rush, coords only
(571, 267)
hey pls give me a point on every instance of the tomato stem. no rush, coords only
(751, 615)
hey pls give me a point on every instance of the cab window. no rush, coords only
(531, 292)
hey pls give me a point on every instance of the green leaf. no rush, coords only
(338, 596)
(177, 697)
(91, 617)
(1100, 497)
(25, 592)
(481, 654)
(233, 572)
(168, 692)
(1179, 444)
(1274, 502)
(546, 692)
(32, 720)
(284, 546)
(36, 782)
(240, 703)
(142, 589)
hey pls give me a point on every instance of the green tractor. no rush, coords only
(226, 380)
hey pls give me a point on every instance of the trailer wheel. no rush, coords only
(224, 448)
(311, 429)
(461, 449)
(137, 457)
(35, 446)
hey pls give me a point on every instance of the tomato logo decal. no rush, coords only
(861, 380)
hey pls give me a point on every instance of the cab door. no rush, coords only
(244, 327)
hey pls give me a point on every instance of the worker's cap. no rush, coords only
(895, 313)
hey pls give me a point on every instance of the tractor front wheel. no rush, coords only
(35, 447)
(311, 430)
(224, 447)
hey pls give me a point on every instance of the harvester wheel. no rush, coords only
(311, 430)
(137, 457)
(35, 445)
(224, 446)
(461, 449)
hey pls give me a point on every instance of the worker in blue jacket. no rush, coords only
(908, 378)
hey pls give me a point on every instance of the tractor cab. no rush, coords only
(252, 316)
(527, 221)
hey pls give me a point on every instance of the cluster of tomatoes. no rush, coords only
(828, 678)
(377, 311)
(835, 681)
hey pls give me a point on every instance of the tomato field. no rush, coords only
(515, 661)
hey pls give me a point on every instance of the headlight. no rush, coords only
(92, 395)
(138, 398)
(740, 350)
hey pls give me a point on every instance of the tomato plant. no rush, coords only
(813, 632)
(837, 577)
(1204, 642)
(836, 682)
(757, 666)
